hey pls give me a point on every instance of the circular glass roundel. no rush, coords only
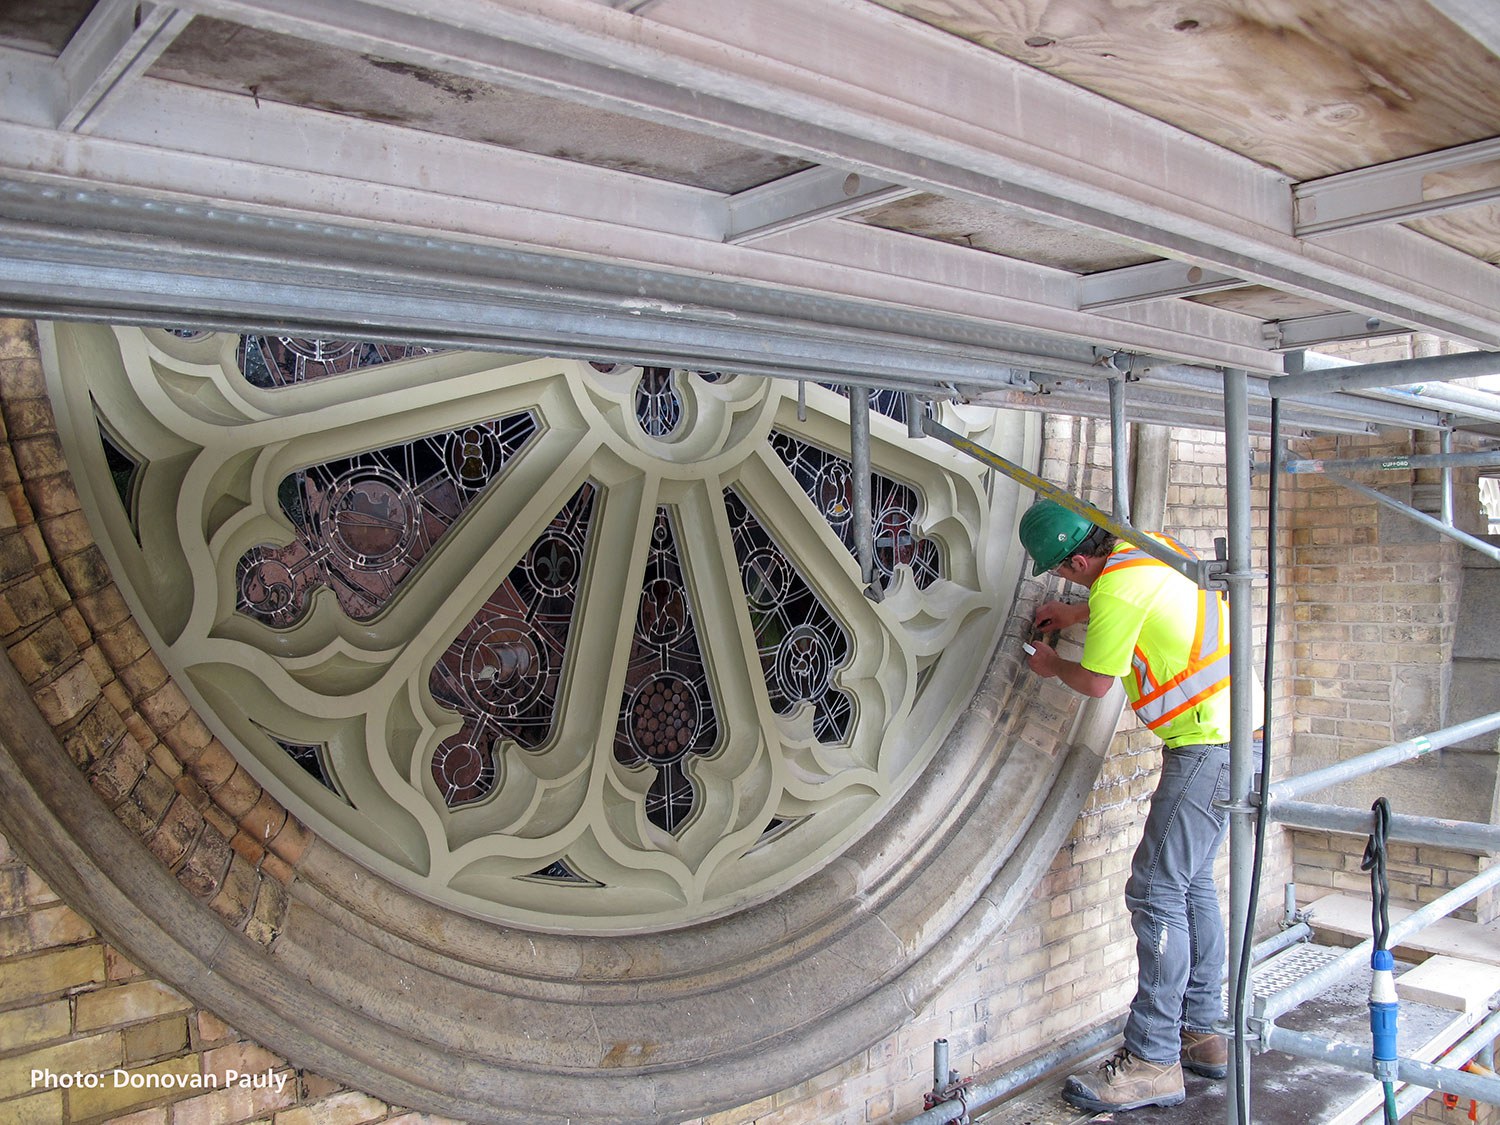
(576, 646)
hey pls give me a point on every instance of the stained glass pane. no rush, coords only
(503, 670)
(364, 523)
(312, 757)
(124, 471)
(284, 361)
(667, 711)
(658, 407)
(560, 871)
(802, 646)
(828, 481)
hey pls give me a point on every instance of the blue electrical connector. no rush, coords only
(1383, 1011)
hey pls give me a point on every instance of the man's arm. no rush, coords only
(1047, 664)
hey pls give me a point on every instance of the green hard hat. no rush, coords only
(1050, 532)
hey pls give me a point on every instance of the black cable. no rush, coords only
(1242, 982)
(1374, 863)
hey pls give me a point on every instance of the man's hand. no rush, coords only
(1047, 664)
(1043, 660)
(1060, 615)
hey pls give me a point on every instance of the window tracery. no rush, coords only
(596, 647)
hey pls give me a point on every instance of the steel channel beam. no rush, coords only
(804, 197)
(1389, 193)
(1431, 831)
(1394, 754)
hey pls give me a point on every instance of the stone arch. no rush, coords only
(203, 877)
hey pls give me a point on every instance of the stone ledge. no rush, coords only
(1349, 915)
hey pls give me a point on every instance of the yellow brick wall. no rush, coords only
(85, 1036)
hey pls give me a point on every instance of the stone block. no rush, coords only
(53, 973)
(116, 775)
(156, 1040)
(236, 897)
(67, 696)
(43, 651)
(176, 832)
(135, 1087)
(31, 1026)
(347, 1108)
(84, 573)
(42, 1108)
(127, 1003)
(94, 1054)
(205, 867)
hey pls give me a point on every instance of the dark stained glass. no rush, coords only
(364, 523)
(285, 361)
(560, 871)
(828, 480)
(801, 645)
(312, 757)
(667, 711)
(503, 671)
(658, 408)
(125, 472)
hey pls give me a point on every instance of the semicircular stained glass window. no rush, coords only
(544, 639)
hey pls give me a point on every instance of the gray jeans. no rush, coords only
(1174, 904)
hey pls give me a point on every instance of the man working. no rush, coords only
(1169, 642)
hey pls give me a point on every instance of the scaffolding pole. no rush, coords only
(1421, 517)
(1240, 578)
(1394, 754)
(1445, 460)
(1119, 442)
(859, 440)
(1207, 574)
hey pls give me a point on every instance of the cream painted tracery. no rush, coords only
(679, 700)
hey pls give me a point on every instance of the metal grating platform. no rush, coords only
(1282, 1089)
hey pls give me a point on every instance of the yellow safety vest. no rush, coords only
(1159, 696)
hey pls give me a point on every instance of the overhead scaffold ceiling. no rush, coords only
(977, 198)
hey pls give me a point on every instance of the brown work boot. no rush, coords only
(1126, 1082)
(1205, 1053)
